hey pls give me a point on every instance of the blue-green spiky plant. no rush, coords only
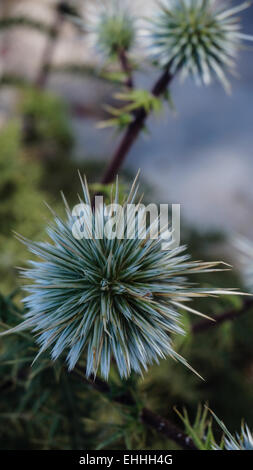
(107, 298)
(111, 26)
(197, 37)
(242, 441)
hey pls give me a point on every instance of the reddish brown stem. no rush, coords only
(205, 325)
(133, 131)
(168, 429)
(148, 417)
(126, 67)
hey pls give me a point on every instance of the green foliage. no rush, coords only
(140, 99)
(12, 80)
(41, 407)
(46, 123)
(121, 120)
(47, 137)
(21, 209)
(136, 100)
(45, 407)
(115, 30)
(201, 429)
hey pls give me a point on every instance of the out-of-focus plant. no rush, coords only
(21, 207)
(136, 99)
(199, 38)
(52, 32)
(111, 30)
(245, 257)
(46, 123)
(47, 137)
(111, 26)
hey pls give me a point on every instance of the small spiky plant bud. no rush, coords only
(242, 441)
(111, 25)
(109, 296)
(197, 37)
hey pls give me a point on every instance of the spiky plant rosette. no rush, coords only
(101, 297)
(200, 38)
(111, 25)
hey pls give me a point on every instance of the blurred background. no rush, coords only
(52, 96)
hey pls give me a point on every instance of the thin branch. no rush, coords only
(168, 429)
(233, 314)
(126, 67)
(148, 417)
(134, 130)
